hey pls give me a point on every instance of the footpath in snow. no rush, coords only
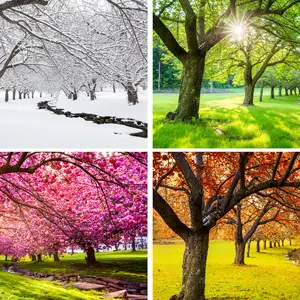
(23, 125)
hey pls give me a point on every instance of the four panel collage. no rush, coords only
(149, 149)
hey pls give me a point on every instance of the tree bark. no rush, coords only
(286, 91)
(272, 92)
(132, 94)
(133, 245)
(280, 91)
(249, 93)
(41, 94)
(39, 257)
(261, 94)
(14, 94)
(248, 248)
(6, 258)
(270, 244)
(20, 95)
(190, 88)
(282, 242)
(194, 267)
(6, 95)
(257, 246)
(56, 256)
(91, 258)
(114, 88)
(239, 253)
(290, 242)
(291, 92)
(32, 94)
(33, 257)
(265, 244)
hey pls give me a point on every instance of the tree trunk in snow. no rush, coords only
(261, 94)
(6, 95)
(91, 258)
(14, 94)
(257, 246)
(39, 257)
(32, 94)
(190, 89)
(93, 94)
(114, 88)
(41, 94)
(239, 253)
(194, 267)
(272, 92)
(75, 97)
(132, 94)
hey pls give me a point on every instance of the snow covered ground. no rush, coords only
(23, 126)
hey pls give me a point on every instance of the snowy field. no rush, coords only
(23, 126)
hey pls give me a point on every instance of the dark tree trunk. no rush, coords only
(270, 244)
(39, 257)
(272, 92)
(6, 258)
(194, 267)
(55, 256)
(239, 253)
(290, 242)
(261, 94)
(133, 245)
(75, 97)
(190, 89)
(291, 92)
(93, 94)
(125, 245)
(20, 95)
(14, 94)
(91, 258)
(114, 88)
(278, 243)
(142, 243)
(33, 257)
(275, 245)
(249, 94)
(265, 244)
(280, 91)
(32, 94)
(6, 95)
(248, 248)
(24, 95)
(286, 91)
(282, 242)
(257, 246)
(295, 91)
(117, 247)
(41, 94)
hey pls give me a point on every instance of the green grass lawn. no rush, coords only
(273, 123)
(128, 265)
(19, 287)
(266, 276)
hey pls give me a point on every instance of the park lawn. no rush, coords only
(272, 123)
(266, 276)
(128, 265)
(19, 287)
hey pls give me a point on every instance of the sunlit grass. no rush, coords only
(267, 275)
(272, 123)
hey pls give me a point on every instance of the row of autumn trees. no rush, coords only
(244, 196)
(50, 202)
(215, 39)
(73, 46)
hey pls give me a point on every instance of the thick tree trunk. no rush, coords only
(249, 94)
(190, 89)
(75, 97)
(133, 245)
(272, 92)
(20, 95)
(14, 94)
(280, 91)
(194, 267)
(132, 95)
(248, 248)
(275, 245)
(270, 244)
(93, 94)
(33, 257)
(261, 94)
(6, 95)
(265, 244)
(39, 257)
(239, 253)
(257, 246)
(55, 256)
(91, 258)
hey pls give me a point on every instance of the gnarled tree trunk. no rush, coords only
(194, 267)
(190, 88)
(132, 94)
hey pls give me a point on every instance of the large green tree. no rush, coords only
(206, 23)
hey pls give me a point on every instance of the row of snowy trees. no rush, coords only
(73, 45)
